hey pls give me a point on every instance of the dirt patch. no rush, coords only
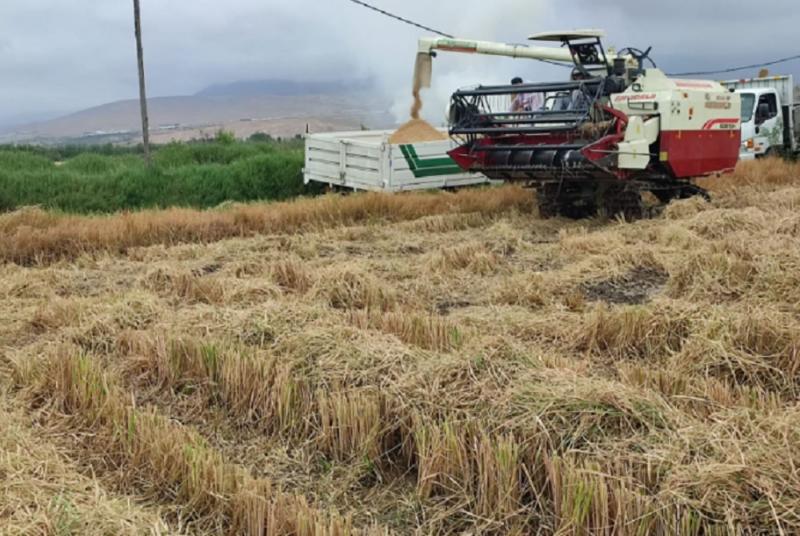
(208, 269)
(411, 250)
(416, 130)
(445, 307)
(636, 287)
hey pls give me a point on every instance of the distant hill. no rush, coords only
(284, 88)
(286, 104)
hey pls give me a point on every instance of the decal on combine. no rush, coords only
(634, 98)
(721, 124)
(431, 166)
(692, 84)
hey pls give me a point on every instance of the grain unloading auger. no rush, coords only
(594, 143)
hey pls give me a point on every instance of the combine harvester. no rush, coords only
(596, 142)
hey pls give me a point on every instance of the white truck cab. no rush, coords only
(768, 116)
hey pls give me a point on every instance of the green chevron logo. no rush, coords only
(429, 167)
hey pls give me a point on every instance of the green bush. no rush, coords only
(95, 164)
(260, 137)
(173, 155)
(225, 138)
(201, 174)
(18, 161)
(279, 173)
(65, 152)
(5, 202)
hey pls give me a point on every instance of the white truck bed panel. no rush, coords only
(365, 160)
(784, 85)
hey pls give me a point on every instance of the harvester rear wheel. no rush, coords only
(569, 200)
(547, 199)
(682, 191)
(624, 201)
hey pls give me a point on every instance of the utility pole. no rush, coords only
(137, 21)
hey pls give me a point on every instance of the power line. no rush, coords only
(401, 19)
(696, 73)
(427, 28)
(742, 68)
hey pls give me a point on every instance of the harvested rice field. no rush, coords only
(418, 364)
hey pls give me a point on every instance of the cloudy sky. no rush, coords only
(58, 56)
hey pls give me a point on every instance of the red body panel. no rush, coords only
(461, 155)
(695, 153)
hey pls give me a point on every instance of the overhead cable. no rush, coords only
(401, 19)
(693, 73)
(742, 68)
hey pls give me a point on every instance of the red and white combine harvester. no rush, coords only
(618, 128)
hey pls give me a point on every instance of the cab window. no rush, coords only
(748, 106)
(767, 108)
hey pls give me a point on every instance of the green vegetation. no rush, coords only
(109, 179)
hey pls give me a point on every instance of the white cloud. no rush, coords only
(60, 56)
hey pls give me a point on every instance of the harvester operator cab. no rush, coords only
(637, 58)
(585, 47)
(592, 61)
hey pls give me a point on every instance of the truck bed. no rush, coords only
(784, 85)
(365, 160)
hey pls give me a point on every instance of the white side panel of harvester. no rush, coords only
(365, 160)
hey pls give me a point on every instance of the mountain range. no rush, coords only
(277, 107)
